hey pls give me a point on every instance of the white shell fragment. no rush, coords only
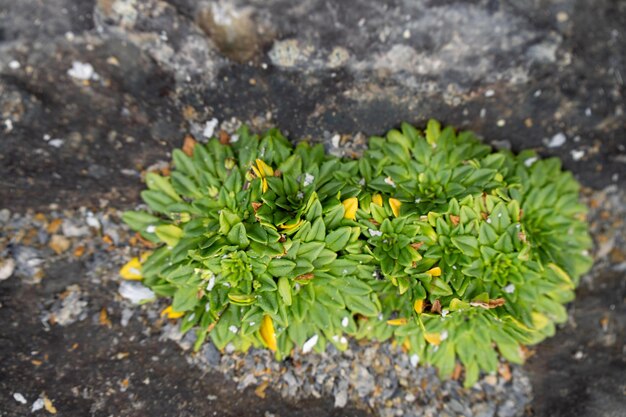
(135, 292)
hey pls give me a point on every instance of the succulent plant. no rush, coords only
(431, 239)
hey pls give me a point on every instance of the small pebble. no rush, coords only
(56, 143)
(37, 405)
(577, 154)
(81, 71)
(209, 128)
(556, 140)
(19, 398)
(71, 229)
(59, 244)
(341, 399)
(7, 266)
(126, 316)
(5, 215)
(502, 144)
(135, 292)
(92, 221)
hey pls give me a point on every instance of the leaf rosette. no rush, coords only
(455, 251)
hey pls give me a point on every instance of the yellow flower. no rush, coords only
(171, 314)
(132, 270)
(262, 171)
(435, 272)
(395, 206)
(433, 338)
(377, 199)
(406, 344)
(267, 332)
(418, 306)
(397, 322)
(351, 205)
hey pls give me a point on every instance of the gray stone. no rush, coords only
(5, 215)
(7, 266)
(292, 383)
(362, 380)
(341, 398)
(457, 407)
(484, 410)
(508, 409)
(28, 261)
(127, 313)
(71, 229)
(70, 309)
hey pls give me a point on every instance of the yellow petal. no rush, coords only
(397, 322)
(435, 272)
(351, 205)
(263, 185)
(132, 270)
(264, 169)
(171, 314)
(267, 332)
(539, 320)
(395, 206)
(241, 299)
(377, 199)
(143, 257)
(256, 171)
(49, 406)
(406, 344)
(418, 306)
(433, 338)
(291, 224)
(562, 274)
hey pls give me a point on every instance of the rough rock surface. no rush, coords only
(94, 91)
(518, 73)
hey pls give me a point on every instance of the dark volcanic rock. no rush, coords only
(95, 371)
(521, 72)
(580, 369)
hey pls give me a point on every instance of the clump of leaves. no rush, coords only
(431, 239)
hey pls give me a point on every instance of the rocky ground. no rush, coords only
(94, 92)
